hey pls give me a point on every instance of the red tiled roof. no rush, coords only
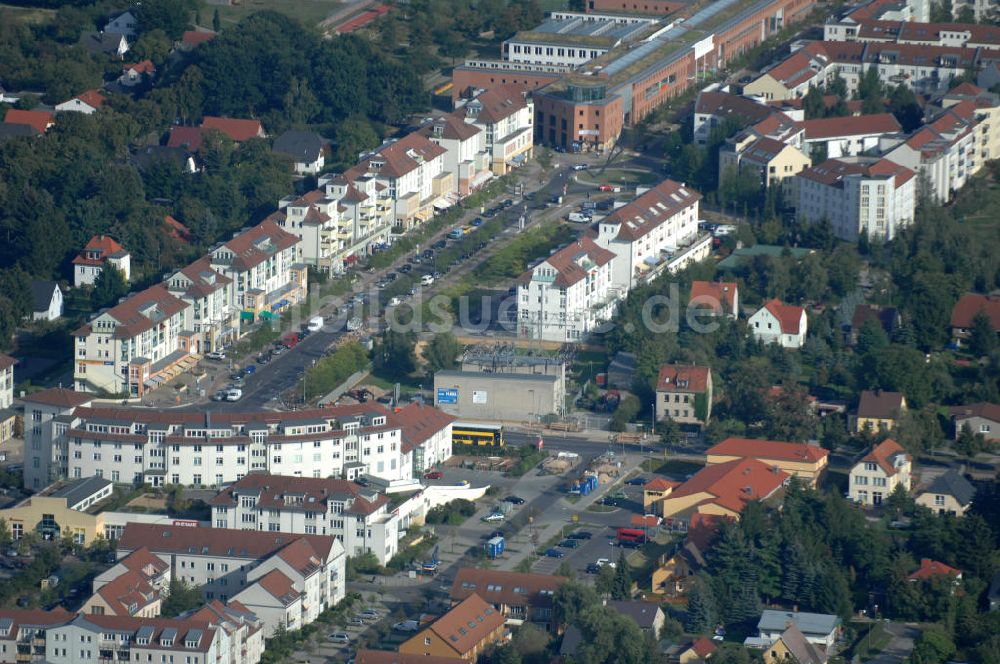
(91, 98)
(39, 120)
(279, 587)
(703, 647)
(793, 70)
(104, 244)
(178, 231)
(505, 588)
(683, 378)
(246, 249)
(878, 404)
(723, 104)
(644, 521)
(789, 316)
(822, 128)
(142, 311)
(468, 624)
(499, 102)
(660, 484)
(883, 454)
(189, 138)
(182, 627)
(417, 423)
(143, 561)
(767, 450)
(452, 127)
(6, 362)
(970, 304)
(397, 159)
(715, 294)
(128, 593)
(931, 568)
(222, 542)
(38, 617)
(235, 128)
(654, 208)
(59, 397)
(734, 484)
(566, 262)
(142, 67)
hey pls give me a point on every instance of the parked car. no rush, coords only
(593, 568)
(234, 394)
(219, 396)
(433, 475)
(605, 562)
(493, 518)
(370, 613)
(427, 280)
(581, 167)
(250, 370)
(405, 268)
(610, 187)
(580, 535)
(339, 637)
(554, 553)
(637, 481)
(315, 324)
(569, 544)
(514, 500)
(356, 621)
(477, 222)
(440, 244)
(407, 626)
(217, 355)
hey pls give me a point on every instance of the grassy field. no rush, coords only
(626, 178)
(31, 15)
(308, 12)
(870, 644)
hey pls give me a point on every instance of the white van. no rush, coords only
(427, 280)
(234, 394)
(315, 323)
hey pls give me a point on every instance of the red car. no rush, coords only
(610, 187)
(433, 475)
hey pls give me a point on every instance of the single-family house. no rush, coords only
(807, 462)
(684, 393)
(111, 44)
(86, 102)
(879, 410)
(963, 314)
(237, 129)
(931, 568)
(819, 629)
(40, 121)
(47, 300)
(777, 322)
(136, 73)
(186, 138)
(719, 297)
(648, 615)
(518, 596)
(123, 23)
(99, 252)
(192, 39)
(982, 418)
(878, 474)
(887, 318)
(793, 646)
(789, 79)
(949, 493)
(305, 148)
(696, 652)
(675, 574)
(463, 633)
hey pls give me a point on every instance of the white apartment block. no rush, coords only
(214, 316)
(411, 170)
(212, 449)
(426, 433)
(649, 231)
(365, 209)
(6, 381)
(568, 295)
(91, 638)
(224, 563)
(847, 137)
(859, 195)
(357, 516)
(506, 116)
(465, 154)
(877, 475)
(570, 39)
(263, 262)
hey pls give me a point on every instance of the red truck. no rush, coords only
(290, 340)
(631, 537)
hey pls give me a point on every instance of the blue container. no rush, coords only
(495, 547)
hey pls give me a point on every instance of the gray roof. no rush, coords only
(572, 639)
(146, 156)
(952, 483)
(41, 293)
(488, 375)
(101, 42)
(10, 130)
(80, 490)
(302, 146)
(642, 613)
(804, 652)
(808, 623)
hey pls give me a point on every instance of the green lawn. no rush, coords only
(30, 15)
(672, 467)
(626, 178)
(308, 12)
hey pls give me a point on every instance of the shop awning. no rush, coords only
(246, 315)
(267, 315)
(279, 304)
(518, 159)
(442, 204)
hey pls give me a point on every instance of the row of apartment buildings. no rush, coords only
(595, 73)
(67, 437)
(154, 334)
(574, 291)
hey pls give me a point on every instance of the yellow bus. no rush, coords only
(477, 435)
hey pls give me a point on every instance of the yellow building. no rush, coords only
(723, 489)
(772, 162)
(465, 632)
(876, 476)
(807, 462)
(696, 652)
(674, 576)
(60, 513)
(949, 493)
(879, 410)
(792, 647)
(656, 490)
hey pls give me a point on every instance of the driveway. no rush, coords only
(901, 645)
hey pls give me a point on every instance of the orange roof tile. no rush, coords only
(883, 455)
(468, 624)
(822, 128)
(660, 484)
(767, 450)
(715, 295)
(39, 120)
(931, 568)
(970, 304)
(235, 128)
(789, 316)
(735, 483)
(683, 378)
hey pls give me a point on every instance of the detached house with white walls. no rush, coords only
(506, 115)
(780, 323)
(878, 474)
(100, 251)
(648, 232)
(568, 295)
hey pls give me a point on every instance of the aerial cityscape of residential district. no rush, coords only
(500, 331)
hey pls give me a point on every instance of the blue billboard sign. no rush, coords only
(447, 395)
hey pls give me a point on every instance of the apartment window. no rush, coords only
(939, 501)
(870, 466)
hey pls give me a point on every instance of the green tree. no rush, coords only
(941, 12)
(702, 615)
(566, 570)
(108, 287)
(621, 588)
(813, 103)
(628, 409)
(933, 647)
(181, 598)
(442, 352)
(982, 336)
(354, 135)
(216, 21)
(570, 600)
(969, 443)
(154, 45)
(171, 16)
(870, 91)
(903, 104)
(393, 354)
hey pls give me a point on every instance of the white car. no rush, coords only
(339, 637)
(407, 626)
(581, 167)
(493, 518)
(394, 301)
(605, 562)
(315, 324)
(215, 355)
(234, 394)
(427, 280)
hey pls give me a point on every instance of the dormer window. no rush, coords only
(378, 421)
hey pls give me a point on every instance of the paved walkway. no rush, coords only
(901, 645)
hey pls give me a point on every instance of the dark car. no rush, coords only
(427, 254)
(440, 244)
(637, 481)
(392, 276)
(478, 221)
(405, 268)
(569, 543)
(580, 535)
(593, 568)
(514, 500)
(508, 203)
(554, 553)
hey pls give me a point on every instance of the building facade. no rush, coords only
(100, 250)
(780, 323)
(684, 394)
(878, 474)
